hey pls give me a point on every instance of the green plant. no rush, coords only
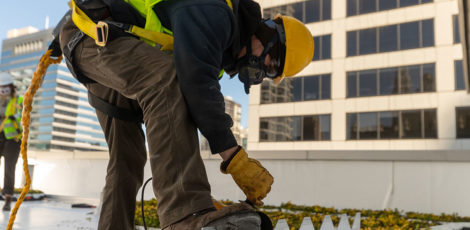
(294, 214)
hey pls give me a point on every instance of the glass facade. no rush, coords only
(405, 124)
(410, 35)
(295, 128)
(392, 80)
(297, 89)
(61, 117)
(357, 7)
(405, 70)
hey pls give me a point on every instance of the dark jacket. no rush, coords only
(208, 36)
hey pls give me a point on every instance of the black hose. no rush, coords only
(142, 202)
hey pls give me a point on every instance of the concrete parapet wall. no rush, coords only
(364, 180)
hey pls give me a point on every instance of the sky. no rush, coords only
(22, 13)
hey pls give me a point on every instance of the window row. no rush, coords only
(403, 36)
(64, 121)
(297, 89)
(389, 81)
(356, 7)
(305, 11)
(407, 124)
(295, 128)
(365, 83)
(28, 47)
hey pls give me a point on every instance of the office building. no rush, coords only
(61, 118)
(386, 75)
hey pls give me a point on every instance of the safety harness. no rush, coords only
(105, 31)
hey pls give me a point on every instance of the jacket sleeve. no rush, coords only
(201, 34)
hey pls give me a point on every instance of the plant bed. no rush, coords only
(30, 196)
(294, 214)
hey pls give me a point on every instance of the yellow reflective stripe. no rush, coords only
(165, 40)
(167, 31)
(83, 22)
(229, 3)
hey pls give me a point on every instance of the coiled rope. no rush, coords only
(36, 82)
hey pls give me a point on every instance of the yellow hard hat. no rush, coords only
(299, 47)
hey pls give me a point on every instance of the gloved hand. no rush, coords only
(250, 176)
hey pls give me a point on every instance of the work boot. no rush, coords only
(239, 216)
(7, 205)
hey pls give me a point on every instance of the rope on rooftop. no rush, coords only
(36, 82)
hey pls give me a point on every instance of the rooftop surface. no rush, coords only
(51, 215)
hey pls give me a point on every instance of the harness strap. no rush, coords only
(114, 111)
(99, 32)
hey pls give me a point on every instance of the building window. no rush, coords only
(463, 122)
(393, 80)
(387, 4)
(459, 78)
(368, 125)
(388, 125)
(368, 83)
(305, 11)
(455, 20)
(295, 128)
(322, 47)
(367, 41)
(356, 7)
(388, 38)
(388, 81)
(407, 124)
(403, 36)
(296, 89)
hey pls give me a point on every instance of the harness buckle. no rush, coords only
(102, 31)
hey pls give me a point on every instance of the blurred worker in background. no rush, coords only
(11, 107)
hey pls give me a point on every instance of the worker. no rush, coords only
(177, 92)
(11, 107)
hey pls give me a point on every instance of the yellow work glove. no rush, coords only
(252, 178)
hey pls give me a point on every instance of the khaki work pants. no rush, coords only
(10, 150)
(130, 67)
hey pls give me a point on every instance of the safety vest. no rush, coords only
(152, 22)
(145, 8)
(12, 122)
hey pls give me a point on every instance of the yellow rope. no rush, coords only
(36, 82)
